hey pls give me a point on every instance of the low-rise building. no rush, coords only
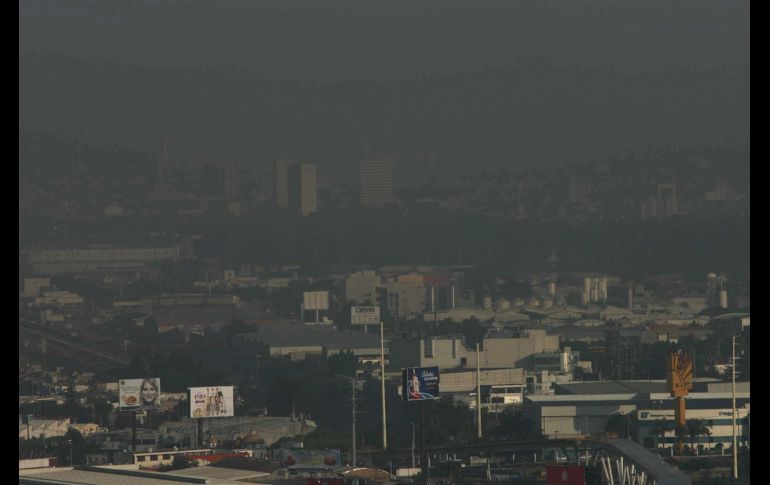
(579, 409)
(451, 352)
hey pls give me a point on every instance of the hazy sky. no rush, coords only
(481, 81)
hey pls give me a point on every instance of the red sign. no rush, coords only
(565, 475)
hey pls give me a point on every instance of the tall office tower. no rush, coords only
(281, 173)
(376, 180)
(303, 188)
(667, 203)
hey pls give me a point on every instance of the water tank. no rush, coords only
(486, 303)
(722, 298)
(552, 288)
(503, 304)
(603, 289)
(533, 302)
(518, 302)
(587, 284)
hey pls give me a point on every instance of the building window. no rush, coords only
(463, 361)
(140, 458)
(166, 457)
(154, 458)
(428, 347)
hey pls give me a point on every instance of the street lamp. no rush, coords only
(69, 442)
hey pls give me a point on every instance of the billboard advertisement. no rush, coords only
(419, 383)
(365, 315)
(315, 300)
(211, 402)
(679, 373)
(565, 475)
(139, 394)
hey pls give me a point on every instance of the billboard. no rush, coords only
(419, 383)
(365, 315)
(211, 402)
(139, 394)
(679, 373)
(565, 475)
(315, 300)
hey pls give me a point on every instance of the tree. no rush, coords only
(234, 327)
(622, 424)
(180, 461)
(72, 448)
(447, 421)
(660, 428)
(514, 426)
(343, 363)
(695, 428)
(473, 331)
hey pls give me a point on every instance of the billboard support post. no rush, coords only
(735, 434)
(353, 385)
(382, 384)
(424, 452)
(133, 431)
(200, 433)
(478, 393)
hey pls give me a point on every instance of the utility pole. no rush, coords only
(382, 383)
(478, 393)
(735, 435)
(413, 465)
(353, 384)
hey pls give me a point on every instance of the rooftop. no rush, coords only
(110, 476)
(297, 334)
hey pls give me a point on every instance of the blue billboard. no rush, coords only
(419, 383)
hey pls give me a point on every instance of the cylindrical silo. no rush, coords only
(603, 289)
(584, 299)
(486, 303)
(722, 298)
(594, 295)
(552, 288)
(503, 304)
(518, 302)
(546, 302)
(587, 285)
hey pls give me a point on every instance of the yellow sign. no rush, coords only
(679, 373)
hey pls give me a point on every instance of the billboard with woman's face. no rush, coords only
(419, 383)
(211, 402)
(139, 394)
